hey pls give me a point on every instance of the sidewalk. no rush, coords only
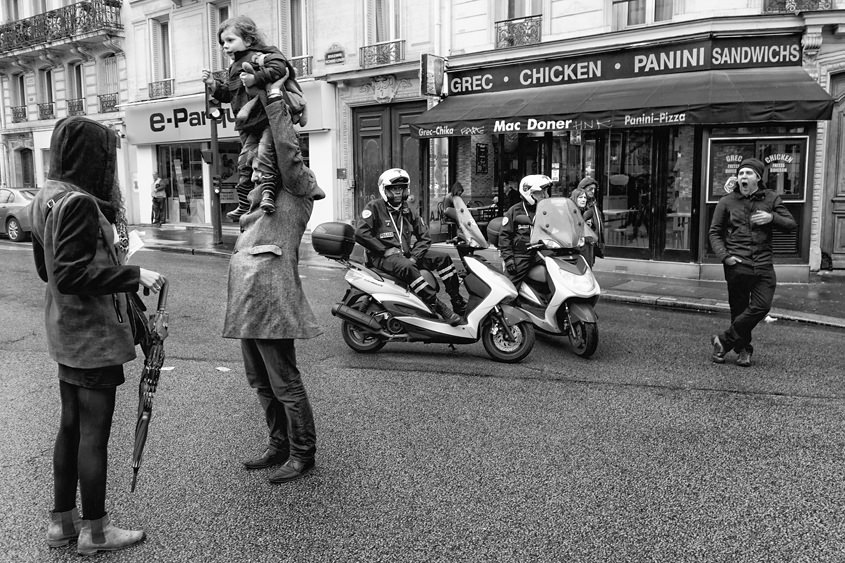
(820, 302)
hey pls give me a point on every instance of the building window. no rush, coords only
(76, 86)
(384, 21)
(13, 10)
(46, 107)
(510, 9)
(19, 90)
(627, 13)
(297, 28)
(160, 41)
(109, 81)
(217, 14)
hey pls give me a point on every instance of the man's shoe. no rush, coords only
(446, 313)
(459, 306)
(719, 350)
(64, 528)
(268, 459)
(292, 470)
(744, 358)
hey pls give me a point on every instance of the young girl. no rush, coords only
(244, 43)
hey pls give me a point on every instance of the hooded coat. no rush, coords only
(265, 298)
(85, 312)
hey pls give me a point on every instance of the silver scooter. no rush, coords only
(378, 308)
(560, 295)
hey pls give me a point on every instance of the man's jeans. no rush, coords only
(750, 293)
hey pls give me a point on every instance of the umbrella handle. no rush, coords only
(162, 294)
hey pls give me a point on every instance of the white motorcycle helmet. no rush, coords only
(532, 188)
(394, 177)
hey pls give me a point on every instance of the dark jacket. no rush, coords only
(235, 93)
(732, 234)
(86, 316)
(514, 239)
(265, 297)
(379, 227)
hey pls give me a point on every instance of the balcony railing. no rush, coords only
(795, 6)
(76, 107)
(64, 23)
(518, 31)
(302, 65)
(383, 53)
(18, 114)
(108, 102)
(47, 110)
(160, 89)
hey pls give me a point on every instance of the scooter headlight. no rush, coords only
(552, 244)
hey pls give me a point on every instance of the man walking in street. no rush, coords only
(741, 236)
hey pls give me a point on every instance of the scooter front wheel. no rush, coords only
(584, 338)
(501, 348)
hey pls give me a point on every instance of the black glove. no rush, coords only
(510, 267)
(391, 251)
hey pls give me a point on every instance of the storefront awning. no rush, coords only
(719, 97)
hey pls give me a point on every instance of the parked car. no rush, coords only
(14, 222)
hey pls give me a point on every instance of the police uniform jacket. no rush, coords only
(380, 227)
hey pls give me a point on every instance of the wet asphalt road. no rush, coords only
(646, 452)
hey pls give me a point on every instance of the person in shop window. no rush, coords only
(448, 202)
(159, 199)
(741, 237)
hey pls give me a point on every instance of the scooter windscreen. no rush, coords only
(469, 228)
(558, 223)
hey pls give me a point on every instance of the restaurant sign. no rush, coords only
(704, 54)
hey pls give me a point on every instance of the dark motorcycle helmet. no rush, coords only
(394, 186)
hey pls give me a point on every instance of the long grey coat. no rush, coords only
(265, 299)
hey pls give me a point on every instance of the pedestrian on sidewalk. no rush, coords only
(593, 215)
(579, 196)
(741, 237)
(79, 245)
(159, 199)
(266, 308)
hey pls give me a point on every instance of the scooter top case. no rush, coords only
(334, 240)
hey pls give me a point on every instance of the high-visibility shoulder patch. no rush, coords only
(504, 221)
(366, 214)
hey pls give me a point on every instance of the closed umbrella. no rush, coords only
(153, 361)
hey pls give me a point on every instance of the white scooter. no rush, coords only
(378, 308)
(560, 294)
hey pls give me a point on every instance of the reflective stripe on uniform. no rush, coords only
(418, 284)
(447, 272)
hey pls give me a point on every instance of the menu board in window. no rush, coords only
(784, 159)
(723, 162)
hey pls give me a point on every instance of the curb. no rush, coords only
(656, 301)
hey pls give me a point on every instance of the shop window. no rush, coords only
(628, 13)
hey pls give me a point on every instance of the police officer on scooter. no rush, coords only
(387, 229)
(516, 234)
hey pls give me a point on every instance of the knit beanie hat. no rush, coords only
(588, 181)
(753, 164)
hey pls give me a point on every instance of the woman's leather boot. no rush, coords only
(64, 527)
(100, 535)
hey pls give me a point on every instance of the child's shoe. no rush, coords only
(268, 201)
(235, 214)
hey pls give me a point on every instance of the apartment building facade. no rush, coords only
(657, 99)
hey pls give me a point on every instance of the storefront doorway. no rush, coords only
(182, 164)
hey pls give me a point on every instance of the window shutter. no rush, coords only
(155, 42)
(110, 75)
(371, 22)
(213, 45)
(285, 26)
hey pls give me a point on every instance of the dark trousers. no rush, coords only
(271, 370)
(158, 210)
(750, 294)
(258, 146)
(402, 268)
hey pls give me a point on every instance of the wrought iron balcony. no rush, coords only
(76, 107)
(302, 65)
(108, 102)
(795, 6)
(385, 53)
(47, 110)
(160, 89)
(518, 31)
(62, 24)
(18, 114)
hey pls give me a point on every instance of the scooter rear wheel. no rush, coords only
(496, 342)
(584, 338)
(360, 340)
